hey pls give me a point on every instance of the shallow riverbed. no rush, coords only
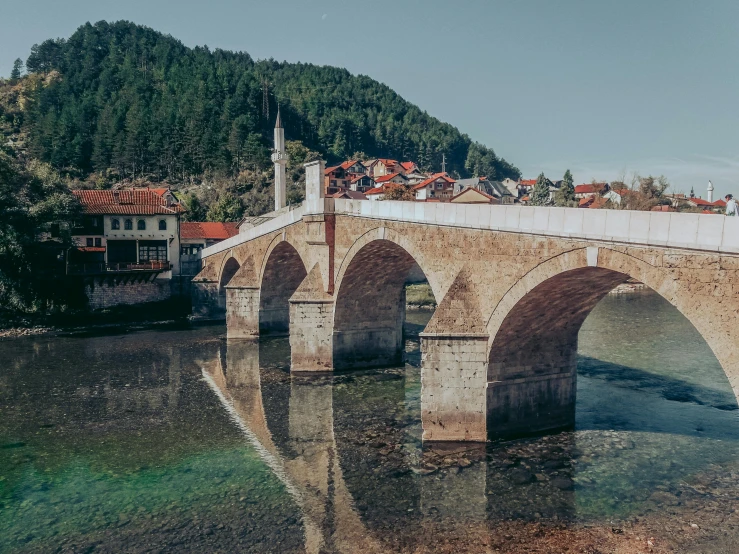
(177, 441)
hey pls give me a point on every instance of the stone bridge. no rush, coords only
(513, 286)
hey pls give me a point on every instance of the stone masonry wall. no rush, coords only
(108, 294)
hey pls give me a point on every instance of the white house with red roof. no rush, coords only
(439, 187)
(196, 235)
(590, 189)
(127, 230)
(396, 178)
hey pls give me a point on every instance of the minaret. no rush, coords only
(710, 191)
(279, 157)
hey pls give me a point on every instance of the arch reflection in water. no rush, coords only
(348, 449)
(306, 461)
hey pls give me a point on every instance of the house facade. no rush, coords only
(439, 187)
(125, 230)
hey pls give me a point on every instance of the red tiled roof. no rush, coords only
(125, 202)
(527, 182)
(386, 178)
(407, 166)
(376, 190)
(207, 230)
(356, 178)
(433, 178)
(160, 192)
(330, 169)
(387, 161)
(700, 202)
(348, 164)
(590, 188)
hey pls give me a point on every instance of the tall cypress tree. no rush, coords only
(540, 194)
(566, 194)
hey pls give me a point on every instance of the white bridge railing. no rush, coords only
(713, 233)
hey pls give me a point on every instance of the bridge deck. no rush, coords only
(704, 232)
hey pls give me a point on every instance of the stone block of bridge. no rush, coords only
(453, 377)
(375, 339)
(242, 312)
(206, 302)
(311, 326)
(454, 366)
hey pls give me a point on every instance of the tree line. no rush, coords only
(123, 98)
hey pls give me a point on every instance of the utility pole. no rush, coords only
(443, 163)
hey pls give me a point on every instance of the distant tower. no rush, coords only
(710, 191)
(279, 157)
(692, 192)
(443, 163)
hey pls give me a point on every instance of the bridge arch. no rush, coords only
(282, 271)
(229, 268)
(534, 330)
(369, 307)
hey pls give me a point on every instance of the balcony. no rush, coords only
(101, 268)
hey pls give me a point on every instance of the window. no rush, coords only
(128, 224)
(152, 251)
(98, 242)
(162, 224)
(88, 241)
(95, 222)
(115, 224)
(141, 225)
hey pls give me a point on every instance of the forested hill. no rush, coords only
(122, 97)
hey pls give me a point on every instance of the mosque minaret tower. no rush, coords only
(279, 157)
(710, 191)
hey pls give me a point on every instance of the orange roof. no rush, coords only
(160, 192)
(376, 190)
(387, 161)
(701, 202)
(386, 178)
(348, 164)
(357, 177)
(125, 202)
(433, 178)
(590, 188)
(525, 199)
(407, 166)
(527, 182)
(211, 230)
(331, 169)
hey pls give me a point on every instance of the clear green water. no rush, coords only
(177, 441)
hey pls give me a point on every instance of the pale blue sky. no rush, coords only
(600, 87)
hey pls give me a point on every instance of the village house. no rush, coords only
(377, 193)
(494, 189)
(590, 189)
(127, 229)
(396, 178)
(438, 187)
(361, 183)
(339, 177)
(196, 235)
(470, 195)
(511, 185)
(349, 195)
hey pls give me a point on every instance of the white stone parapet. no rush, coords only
(713, 233)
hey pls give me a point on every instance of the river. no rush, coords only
(175, 440)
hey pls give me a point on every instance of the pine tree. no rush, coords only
(540, 194)
(566, 194)
(17, 72)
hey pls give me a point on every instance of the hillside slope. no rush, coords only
(122, 97)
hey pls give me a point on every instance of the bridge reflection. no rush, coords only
(347, 449)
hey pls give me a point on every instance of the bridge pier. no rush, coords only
(242, 312)
(311, 325)
(453, 377)
(206, 302)
(374, 336)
